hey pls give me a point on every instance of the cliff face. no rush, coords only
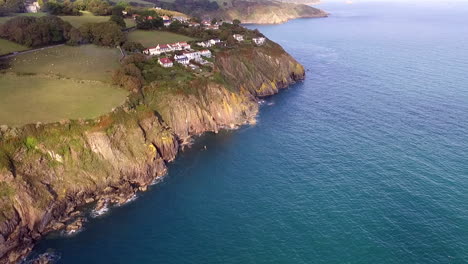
(269, 12)
(47, 172)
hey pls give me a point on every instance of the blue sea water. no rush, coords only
(363, 162)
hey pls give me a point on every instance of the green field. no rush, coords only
(31, 99)
(86, 62)
(76, 21)
(7, 46)
(152, 38)
(88, 17)
(140, 2)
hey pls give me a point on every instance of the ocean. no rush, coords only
(363, 162)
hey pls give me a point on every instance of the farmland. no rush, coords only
(76, 21)
(151, 38)
(88, 17)
(31, 99)
(59, 83)
(86, 62)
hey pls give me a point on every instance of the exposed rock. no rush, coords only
(108, 161)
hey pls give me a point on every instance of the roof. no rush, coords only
(165, 60)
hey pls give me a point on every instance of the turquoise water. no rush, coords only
(363, 162)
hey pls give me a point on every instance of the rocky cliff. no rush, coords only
(269, 12)
(48, 172)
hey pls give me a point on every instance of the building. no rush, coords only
(205, 53)
(180, 19)
(166, 62)
(194, 24)
(204, 44)
(214, 41)
(259, 41)
(180, 46)
(158, 49)
(167, 23)
(192, 55)
(212, 27)
(182, 59)
(32, 6)
(238, 37)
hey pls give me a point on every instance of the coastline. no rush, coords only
(134, 155)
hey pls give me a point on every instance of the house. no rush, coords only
(180, 19)
(206, 23)
(182, 59)
(165, 18)
(135, 16)
(32, 6)
(192, 55)
(214, 41)
(158, 49)
(204, 44)
(205, 53)
(180, 45)
(238, 37)
(167, 23)
(166, 62)
(259, 41)
(194, 24)
(212, 27)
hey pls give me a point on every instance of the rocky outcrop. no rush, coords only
(47, 172)
(269, 12)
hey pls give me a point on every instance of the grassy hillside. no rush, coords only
(88, 17)
(37, 98)
(152, 38)
(86, 62)
(139, 2)
(7, 46)
(59, 83)
(76, 21)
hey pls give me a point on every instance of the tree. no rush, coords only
(131, 46)
(11, 6)
(236, 22)
(98, 7)
(118, 20)
(33, 31)
(104, 34)
(175, 26)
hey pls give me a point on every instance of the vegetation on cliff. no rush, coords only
(48, 170)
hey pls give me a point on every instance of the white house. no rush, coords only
(158, 49)
(214, 41)
(180, 45)
(204, 44)
(194, 24)
(259, 41)
(238, 37)
(166, 62)
(205, 53)
(192, 55)
(32, 6)
(180, 18)
(182, 59)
